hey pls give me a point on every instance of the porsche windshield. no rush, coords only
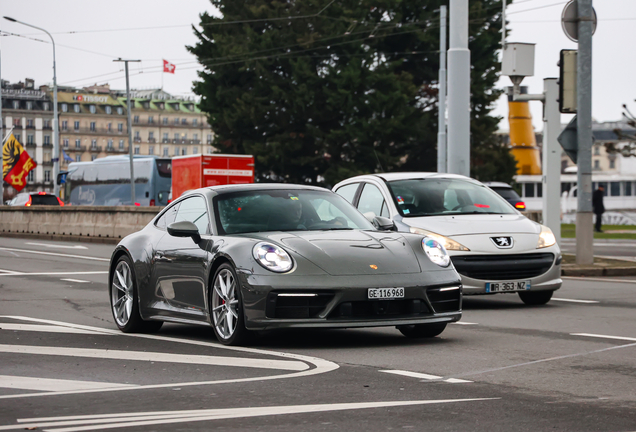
(437, 197)
(285, 210)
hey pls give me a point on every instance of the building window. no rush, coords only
(597, 150)
(597, 164)
(165, 137)
(47, 176)
(136, 119)
(166, 151)
(47, 139)
(64, 108)
(151, 150)
(16, 104)
(108, 109)
(93, 144)
(29, 105)
(47, 124)
(528, 189)
(29, 139)
(17, 137)
(151, 135)
(78, 143)
(120, 110)
(209, 138)
(92, 126)
(137, 149)
(176, 136)
(93, 109)
(121, 144)
(195, 150)
(184, 121)
(110, 127)
(195, 136)
(120, 127)
(65, 142)
(628, 188)
(176, 151)
(45, 106)
(176, 121)
(93, 157)
(76, 108)
(30, 123)
(46, 157)
(137, 135)
(615, 188)
(612, 163)
(151, 120)
(165, 120)
(31, 176)
(184, 151)
(195, 122)
(110, 144)
(78, 158)
(76, 125)
(185, 136)
(210, 150)
(65, 125)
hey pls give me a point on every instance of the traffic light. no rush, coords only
(567, 81)
(61, 177)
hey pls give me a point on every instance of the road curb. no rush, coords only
(598, 271)
(61, 237)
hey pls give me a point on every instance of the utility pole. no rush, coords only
(584, 218)
(1, 143)
(441, 123)
(459, 90)
(130, 141)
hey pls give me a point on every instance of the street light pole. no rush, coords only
(56, 138)
(130, 141)
(441, 127)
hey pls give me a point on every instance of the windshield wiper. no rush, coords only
(334, 229)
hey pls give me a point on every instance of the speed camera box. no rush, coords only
(197, 171)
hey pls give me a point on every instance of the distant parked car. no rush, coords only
(508, 193)
(35, 198)
(494, 247)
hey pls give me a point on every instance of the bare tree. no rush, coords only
(626, 144)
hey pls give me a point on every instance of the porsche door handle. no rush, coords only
(162, 258)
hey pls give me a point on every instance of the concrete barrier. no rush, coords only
(76, 221)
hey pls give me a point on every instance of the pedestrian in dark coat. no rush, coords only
(598, 207)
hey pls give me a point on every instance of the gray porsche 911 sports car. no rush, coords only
(241, 258)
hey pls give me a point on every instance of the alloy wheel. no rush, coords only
(122, 294)
(225, 304)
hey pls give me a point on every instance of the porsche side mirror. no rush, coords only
(184, 229)
(384, 224)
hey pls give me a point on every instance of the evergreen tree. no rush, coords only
(340, 88)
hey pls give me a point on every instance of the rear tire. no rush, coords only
(124, 303)
(536, 298)
(419, 331)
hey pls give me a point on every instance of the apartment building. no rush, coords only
(29, 111)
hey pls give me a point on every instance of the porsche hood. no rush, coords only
(350, 252)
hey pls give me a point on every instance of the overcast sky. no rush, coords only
(89, 34)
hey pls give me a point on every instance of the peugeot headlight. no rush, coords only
(272, 257)
(435, 251)
(546, 238)
(445, 241)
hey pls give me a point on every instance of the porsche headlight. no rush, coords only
(272, 257)
(435, 251)
(445, 241)
(546, 238)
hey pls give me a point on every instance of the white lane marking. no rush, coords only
(9, 272)
(574, 300)
(75, 280)
(46, 328)
(112, 421)
(55, 254)
(424, 376)
(47, 384)
(54, 273)
(598, 279)
(156, 357)
(58, 246)
(321, 365)
(464, 323)
(604, 336)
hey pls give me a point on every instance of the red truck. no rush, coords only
(197, 171)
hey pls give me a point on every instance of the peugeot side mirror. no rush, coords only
(184, 229)
(384, 224)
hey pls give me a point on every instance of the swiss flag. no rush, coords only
(168, 67)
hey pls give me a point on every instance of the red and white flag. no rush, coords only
(168, 67)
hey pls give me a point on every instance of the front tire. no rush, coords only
(535, 298)
(226, 307)
(124, 303)
(419, 331)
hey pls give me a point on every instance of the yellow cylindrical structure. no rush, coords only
(523, 144)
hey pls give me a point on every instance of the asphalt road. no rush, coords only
(612, 248)
(569, 365)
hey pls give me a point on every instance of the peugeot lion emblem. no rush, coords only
(502, 242)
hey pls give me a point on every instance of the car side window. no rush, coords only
(348, 192)
(371, 200)
(168, 217)
(195, 210)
